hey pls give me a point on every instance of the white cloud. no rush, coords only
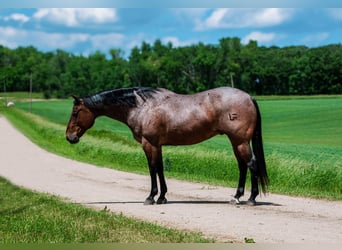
(7, 36)
(137, 39)
(75, 17)
(176, 42)
(259, 36)
(315, 39)
(58, 40)
(107, 41)
(336, 13)
(13, 38)
(244, 18)
(17, 17)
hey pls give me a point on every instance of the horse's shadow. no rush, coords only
(199, 202)
(243, 203)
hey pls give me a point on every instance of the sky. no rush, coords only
(87, 30)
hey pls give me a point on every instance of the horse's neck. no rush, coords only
(119, 113)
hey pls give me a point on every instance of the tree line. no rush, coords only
(256, 69)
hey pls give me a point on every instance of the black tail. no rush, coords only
(258, 151)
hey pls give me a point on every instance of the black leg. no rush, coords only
(254, 182)
(242, 180)
(163, 187)
(246, 159)
(154, 188)
(155, 163)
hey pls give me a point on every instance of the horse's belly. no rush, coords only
(186, 136)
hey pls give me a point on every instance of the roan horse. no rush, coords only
(158, 117)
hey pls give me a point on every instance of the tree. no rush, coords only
(185, 69)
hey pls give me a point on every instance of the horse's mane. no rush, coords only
(123, 96)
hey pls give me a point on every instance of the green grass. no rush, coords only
(28, 217)
(310, 121)
(302, 139)
(18, 96)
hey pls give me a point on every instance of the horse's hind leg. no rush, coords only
(242, 175)
(245, 158)
(254, 180)
(242, 180)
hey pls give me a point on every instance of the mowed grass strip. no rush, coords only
(307, 122)
(28, 217)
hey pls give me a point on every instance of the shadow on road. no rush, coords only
(243, 203)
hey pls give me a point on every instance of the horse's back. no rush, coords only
(177, 119)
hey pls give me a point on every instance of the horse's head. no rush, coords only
(81, 119)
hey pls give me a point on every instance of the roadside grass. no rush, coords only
(302, 139)
(28, 217)
(18, 96)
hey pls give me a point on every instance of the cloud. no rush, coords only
(245, 18)
(259, 36)
(176, 42)
(13, 38)
(336, 13)
(107, 41)
(17, 17)
(136, 40)
(73, 17)
(315, 39)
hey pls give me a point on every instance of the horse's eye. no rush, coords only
(75, 113)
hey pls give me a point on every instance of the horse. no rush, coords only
(158, 117)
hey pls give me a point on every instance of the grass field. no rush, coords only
(302, 139)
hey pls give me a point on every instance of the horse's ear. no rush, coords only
(77, 100)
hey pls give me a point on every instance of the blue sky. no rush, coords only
(86, 30)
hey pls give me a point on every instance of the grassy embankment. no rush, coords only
(27, 217)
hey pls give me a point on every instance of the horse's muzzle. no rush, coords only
(73, 138)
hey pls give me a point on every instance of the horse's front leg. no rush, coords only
(155, 163)
(162, 182)
(154, 188)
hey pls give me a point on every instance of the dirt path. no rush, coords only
(192, 206)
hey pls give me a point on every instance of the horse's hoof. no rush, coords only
(235, 201)
(251, 203)
(161, 201)
(149, 201)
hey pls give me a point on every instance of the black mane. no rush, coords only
(123, 96)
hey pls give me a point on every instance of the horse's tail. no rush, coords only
(258, 151)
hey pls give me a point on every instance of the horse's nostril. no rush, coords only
(72, 138)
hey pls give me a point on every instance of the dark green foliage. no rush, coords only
(262, 70)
